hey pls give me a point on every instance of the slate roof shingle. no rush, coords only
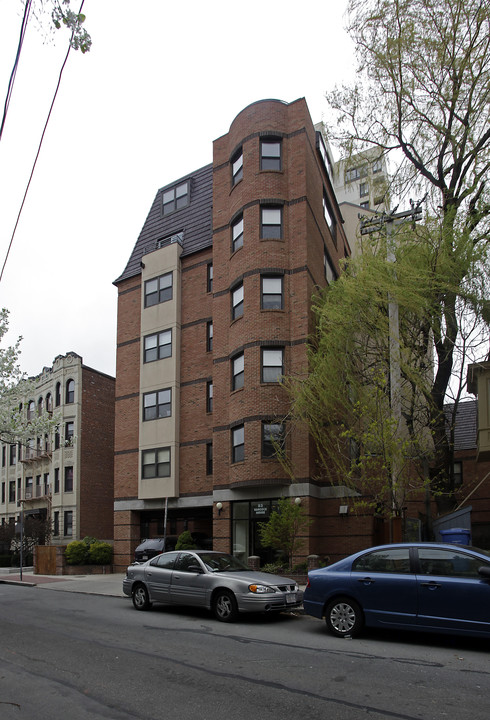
(195, 220)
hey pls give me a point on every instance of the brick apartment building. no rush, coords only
(214, 306)
(66, 477)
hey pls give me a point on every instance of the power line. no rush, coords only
(27, 10)
(38, 149)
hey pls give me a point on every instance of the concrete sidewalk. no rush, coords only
(110, 584)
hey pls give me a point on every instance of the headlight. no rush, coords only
(260, 589)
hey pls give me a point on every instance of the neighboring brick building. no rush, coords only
(214, 307)
(67, 477)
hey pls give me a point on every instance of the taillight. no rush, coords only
(308, 583)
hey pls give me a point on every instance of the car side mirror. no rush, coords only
(195, 568)
(484, 571)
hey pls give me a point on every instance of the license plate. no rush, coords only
(290, 598)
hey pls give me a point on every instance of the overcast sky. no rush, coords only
(162, 81)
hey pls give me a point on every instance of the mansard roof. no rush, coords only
(194, 221)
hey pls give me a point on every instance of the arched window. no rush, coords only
(49, 403)
(70, 391)
(58, 394)
(40, 406)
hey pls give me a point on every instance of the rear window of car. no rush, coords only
(165, 561)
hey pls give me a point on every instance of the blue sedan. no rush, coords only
(408, 586)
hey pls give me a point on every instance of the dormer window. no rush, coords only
(176, 198)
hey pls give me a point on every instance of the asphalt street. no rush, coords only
(75, 647)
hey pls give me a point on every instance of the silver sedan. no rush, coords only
(213, 580)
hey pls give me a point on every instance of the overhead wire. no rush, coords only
(25, 19)
(38, 150)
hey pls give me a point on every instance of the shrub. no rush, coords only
(273, 568)
(88, 551)
(185, 541)
(76, 553)
(100, 553)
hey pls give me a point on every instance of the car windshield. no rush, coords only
(219, 562)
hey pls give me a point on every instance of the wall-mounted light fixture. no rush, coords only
(344, 510)
(297, 501)
(219, 507)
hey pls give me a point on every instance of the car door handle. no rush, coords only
(431, 585)
(365, 580)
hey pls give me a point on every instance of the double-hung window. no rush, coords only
(237, 302)
(272, 364)
(158, 346)
(209, 278)
(209, 396)
(237, 234)
(237, 167)
(238, 372)
(68, 487)
(70, 392)
(270, 154)
(271, 223)
(238, 444)
(272, 438)
(157, 404)
(175, 198)
(272, 295)
(209, 336)
(158, 290)
(156, 463)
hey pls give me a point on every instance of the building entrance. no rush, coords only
(247, 519)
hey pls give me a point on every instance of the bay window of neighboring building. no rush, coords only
(58, 394)
(270, 154)
(30, 410)
(157, 404)
(272, 364)
(175, 198)
(238, 444)
(271, 292)
(237, 233)
(157, 346)
(68, 523)
(156, 463)
(237, 371)
(270, 223)
(69, 432)
(12, 491)
(159, 289)
(68, 487)
(237, 167)
(272, 438)
(56, 480)
(70, 392)
(13, 454)
(237, 302)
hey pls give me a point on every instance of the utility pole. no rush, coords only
(368, 226)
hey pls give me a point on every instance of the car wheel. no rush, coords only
(343, 617)
(141, 599)
(224, 606)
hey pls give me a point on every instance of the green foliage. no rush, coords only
(282, 531)
(185, 541)
(15, 393)
(88, 551)
(76, 553)
(100, 553)
(274, 568)
(63, 16)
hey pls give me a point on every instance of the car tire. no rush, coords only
(140, 597)
(225, 607)
(344, 617)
